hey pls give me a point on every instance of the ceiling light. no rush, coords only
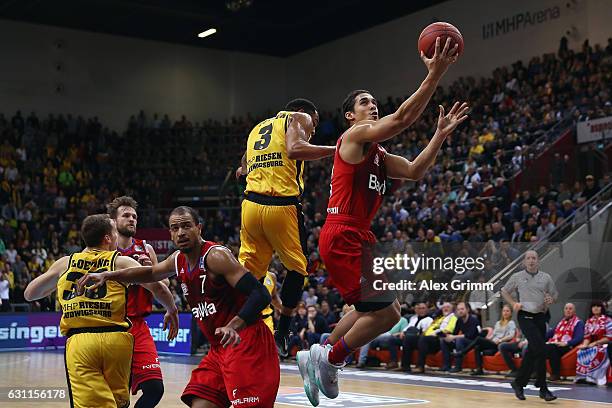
(208, 32)
(237, 5)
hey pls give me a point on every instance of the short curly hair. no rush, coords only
(123, 201)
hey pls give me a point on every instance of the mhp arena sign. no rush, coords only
(19, 331)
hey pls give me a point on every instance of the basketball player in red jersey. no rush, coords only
(146, 371)
(346, 243)
(242, 368)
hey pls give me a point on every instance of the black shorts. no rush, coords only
(372, 305)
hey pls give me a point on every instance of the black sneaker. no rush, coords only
(455, 370)
(546, 395)
(512, 374)
(477, 371)
(518, 391)
(282, 344)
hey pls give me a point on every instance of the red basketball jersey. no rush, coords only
(357, 189)
(140, 300)
(213, 302)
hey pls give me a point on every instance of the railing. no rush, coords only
(579, 218)
(536, 154)
(549, 136)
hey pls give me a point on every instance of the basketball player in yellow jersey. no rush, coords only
(98, 353)
(269, 283)
(272, 218)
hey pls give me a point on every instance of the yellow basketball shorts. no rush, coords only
(272, 228)
(98, 367)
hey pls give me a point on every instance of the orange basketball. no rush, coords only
(427, 39)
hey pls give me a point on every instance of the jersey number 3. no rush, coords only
(266, 135)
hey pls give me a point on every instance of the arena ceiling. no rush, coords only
(271, 27)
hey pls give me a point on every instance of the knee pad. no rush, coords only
(153, 387)
(291, 292)
(152, 392)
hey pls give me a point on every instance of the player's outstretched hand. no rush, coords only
(447, 123)
(91, 281)
(171, 322)
(442, 58)
(230, 337)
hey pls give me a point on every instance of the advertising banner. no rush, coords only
(22, 331)
(158, 238)
(30, 330)
(181, 344)
(593, 130)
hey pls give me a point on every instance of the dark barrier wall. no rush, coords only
(537, 171)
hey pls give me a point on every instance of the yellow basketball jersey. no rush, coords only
(270, 172)
(268, 312)
(105, 306)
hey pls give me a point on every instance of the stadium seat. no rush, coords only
(493, 361)
(469, 361)
(496, 363)
(568, 364)
(382, 355)
(434, 360)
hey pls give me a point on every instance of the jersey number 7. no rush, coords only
(203, 281)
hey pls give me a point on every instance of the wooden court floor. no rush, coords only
(46, 369)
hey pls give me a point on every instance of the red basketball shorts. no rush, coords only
(145, 361)
(347, 252)
(242, 376)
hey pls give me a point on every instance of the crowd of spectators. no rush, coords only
(455, 331)
(465, 202)
(56, 170)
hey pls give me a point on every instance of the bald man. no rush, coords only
(568, 333)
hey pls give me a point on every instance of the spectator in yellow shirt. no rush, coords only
(429, 342)
(487, 136)
(73, 232)
(477, 149)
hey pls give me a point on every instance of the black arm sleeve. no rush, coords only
(258, 298)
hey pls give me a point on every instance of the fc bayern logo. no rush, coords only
(593, 357)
